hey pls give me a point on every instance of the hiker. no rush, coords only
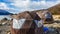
(48, 17)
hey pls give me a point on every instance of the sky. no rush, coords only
(17, 6)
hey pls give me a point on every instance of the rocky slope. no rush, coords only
(55, 9)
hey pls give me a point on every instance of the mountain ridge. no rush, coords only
(4, 12)
(55, 9)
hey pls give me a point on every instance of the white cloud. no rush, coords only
(20, 3)
(29, 5)
(3, 6)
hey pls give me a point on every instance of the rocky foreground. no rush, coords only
(5, 26)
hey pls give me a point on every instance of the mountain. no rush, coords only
(4, 12)
(55, 9)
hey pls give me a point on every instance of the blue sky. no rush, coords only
(16, 6)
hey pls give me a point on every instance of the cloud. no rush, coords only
(33, 5)
(24, 5)
(6, 1)
(21, 4)
(6, 7)
(3, 6)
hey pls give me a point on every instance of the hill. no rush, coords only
(55, 9)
